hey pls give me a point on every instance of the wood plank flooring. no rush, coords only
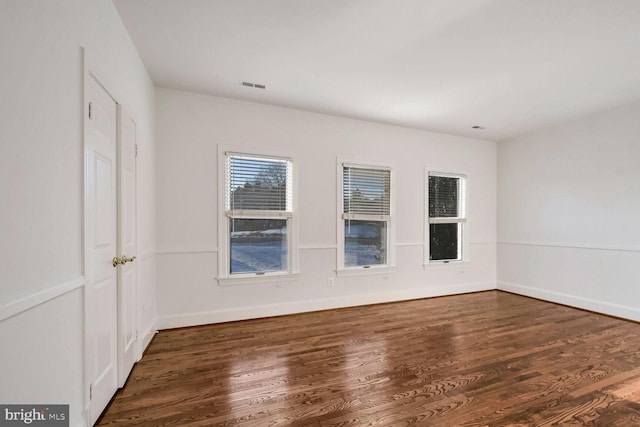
(483, 359)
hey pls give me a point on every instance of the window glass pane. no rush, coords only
(365, 243)
(258, 184)
(444, 241)
(258, 245)
(443, 197)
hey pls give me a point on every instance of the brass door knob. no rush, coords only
(122, 260)
(125, 260)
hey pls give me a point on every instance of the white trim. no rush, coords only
(86, 414)
(222, 218)
(212, 250)
(422, 244)
(145, 335)
(21, 304)
(390, 220)
(464, 231)
(446, 220)
(268, 310)
(586, 246)
(611, 309)
(92, 67)
(365, 217)
(365, 271)
(187, 250)
(445, 174)
(249, 156)
(256, 279)
(146, 340)
(254, 214)
(312, 247)
(382, 166)
(442, 265)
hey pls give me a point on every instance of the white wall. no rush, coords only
(189, 128)
(569, 204)
(41, 181)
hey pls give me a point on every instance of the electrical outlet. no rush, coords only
(332, 281)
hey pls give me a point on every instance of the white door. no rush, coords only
(100, 246)
(127, 289)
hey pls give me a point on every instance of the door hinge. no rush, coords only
(90, 392)
(137, 150)
(90, 110)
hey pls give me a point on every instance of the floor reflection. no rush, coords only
(482, 359)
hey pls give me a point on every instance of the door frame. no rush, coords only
(92, 70)
(124, 370)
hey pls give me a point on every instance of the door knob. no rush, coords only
(122, 260)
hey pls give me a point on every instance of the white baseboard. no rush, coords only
(147, 336)
(573, 245)
(85, 414)
(254, 312)
(83, 423)
(602, 307)
(27, 302)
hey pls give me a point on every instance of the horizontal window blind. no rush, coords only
(258, 184)
(366, 191)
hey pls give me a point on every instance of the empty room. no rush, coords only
(320, 212)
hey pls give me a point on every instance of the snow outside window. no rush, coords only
(366, 213)
(259, 212)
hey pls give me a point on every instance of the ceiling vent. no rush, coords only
(254, 85)
(478, 127)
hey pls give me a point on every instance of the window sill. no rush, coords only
(257, 279)
(440, 265)
(360, 271)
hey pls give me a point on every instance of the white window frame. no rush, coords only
(224, 276)
(341, 270)
(463, 243)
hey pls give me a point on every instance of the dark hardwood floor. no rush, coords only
(483, 359)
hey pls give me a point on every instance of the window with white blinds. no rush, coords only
(446, 216)
(366, 216)
(259, 211)
(366, 192)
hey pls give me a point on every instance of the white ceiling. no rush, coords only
(511, 66)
